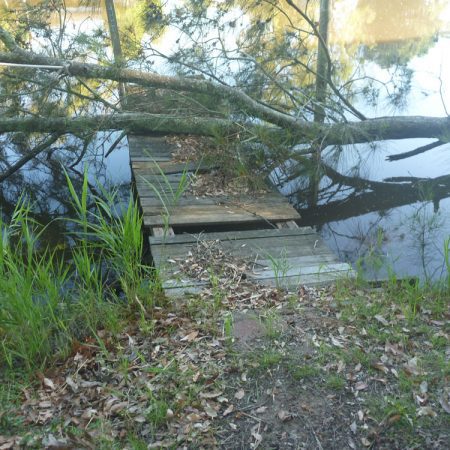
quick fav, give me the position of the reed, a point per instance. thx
(47, 301)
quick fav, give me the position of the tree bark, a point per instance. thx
(115, 42)
(336, 134)
(322, 62)
(133, 122)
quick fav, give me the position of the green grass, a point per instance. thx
(271, 321)
(47, 301)
(335, 382)
(269, 358)
(304, 372)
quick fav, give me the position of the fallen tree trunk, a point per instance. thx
(148, 79)
(335, 134)
(134, 122)
(297, 130)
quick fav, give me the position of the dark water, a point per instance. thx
(399, 223)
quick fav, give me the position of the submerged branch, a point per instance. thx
(43, 146)
(414, 152)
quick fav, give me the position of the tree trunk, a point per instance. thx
(322, 76)
(115, 41)
(335, 134)
(322, 62)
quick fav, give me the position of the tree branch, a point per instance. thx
(29, 156)
(414, 152)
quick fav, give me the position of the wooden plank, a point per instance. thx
(148, 190)
(178, 287)
(167, 167)
(218, 216)
(143, 159)
(264, 249)
(162, 232)
(140, 143)
(270, 211)
(149, 152)
(291, 224)
(159, 177)
(231, 236)
(321, 279)
(263, 256)
(187, 199)
(261, 209)
(305, 260)
(301, 271)
(145, 191)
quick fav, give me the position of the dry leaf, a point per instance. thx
(360, 386)
(48, 383)
(284, 416)
(336, 342)
(240, 394)
(382, 320)
(426, 411)
(229, 410)
(190, 337)
(393, 419)
(423, 387)
(117, 407)
(72, 384)
(444, 401)
(210, 411)
(381, 367)
(209, 395)
(45, 404)
(161, 444)
(50, 442)
(411, 367)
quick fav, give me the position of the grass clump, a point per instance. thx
(47, 301)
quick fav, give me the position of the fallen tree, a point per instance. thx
(328, 134)
(253, 117)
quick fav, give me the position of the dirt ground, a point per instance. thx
(302, 371)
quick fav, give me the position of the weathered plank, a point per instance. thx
(167, 167)
(298, 271)
(263, 248)
(218, 214)
(230, 236)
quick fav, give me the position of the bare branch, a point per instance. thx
(43, 146)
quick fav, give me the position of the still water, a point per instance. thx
(390, 226)
(401, 45)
